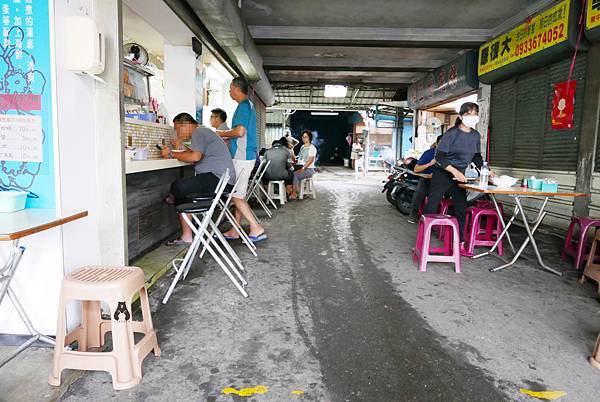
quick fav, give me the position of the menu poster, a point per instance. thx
(21, 138)
(26, 117)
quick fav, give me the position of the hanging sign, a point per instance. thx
(541, 40)
(592, 20)
(593, 14)
(541, 32)
(449, 81)
(563, 105)
(26, 117)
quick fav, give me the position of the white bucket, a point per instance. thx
(12, 201)
(346, 162)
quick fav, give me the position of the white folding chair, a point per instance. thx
(254, 187)
(226, 213)
(201, 215)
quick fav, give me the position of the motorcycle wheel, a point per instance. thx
(404, 202)
(389, 196)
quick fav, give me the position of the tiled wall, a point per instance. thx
(141, 134)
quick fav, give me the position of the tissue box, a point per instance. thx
(535, 184)
(550, 187)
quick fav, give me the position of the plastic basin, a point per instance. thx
(12, 201)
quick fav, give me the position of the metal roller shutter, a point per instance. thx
(501, 123)
(521, 135)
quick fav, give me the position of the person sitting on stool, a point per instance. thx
(210, 157)
(458, 147)
(424, 166)
(280, 166)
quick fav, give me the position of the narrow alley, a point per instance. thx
(339, 311)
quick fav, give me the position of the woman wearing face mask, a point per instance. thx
(459, 146)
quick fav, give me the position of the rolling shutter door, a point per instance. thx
(520, 125)
(501, 123)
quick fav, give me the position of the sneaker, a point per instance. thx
(411, 220)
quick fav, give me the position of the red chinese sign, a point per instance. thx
(563, 105)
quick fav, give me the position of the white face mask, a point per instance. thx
(470, 121)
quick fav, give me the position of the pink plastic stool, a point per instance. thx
(479, 235)
(443, 209)
(578, 248)
(450, 251)
(489, 205)
(445, 205)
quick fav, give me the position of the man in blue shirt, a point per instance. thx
(424, 166)
(242, 146)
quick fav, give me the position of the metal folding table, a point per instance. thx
(531, 226)
(13, 227)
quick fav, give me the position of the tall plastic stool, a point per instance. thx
(591, 269)
(307, 187)
(115, 286)
(450, 252)
(445, 205)
(281, 194)
(480, 233)
(443, 209)
(577, 247)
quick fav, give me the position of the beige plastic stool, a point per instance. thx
(115, 286)
(307, 187)
(281, 194)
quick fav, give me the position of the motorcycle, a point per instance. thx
(401, 187)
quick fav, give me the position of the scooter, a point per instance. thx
(391, 184)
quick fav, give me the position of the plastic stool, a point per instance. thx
(115, 286)
(450, 252)
(578, 248)
(445, 205)
(443, 209)
(281, 194)
(307, 187)
(591, 269)
(477, 235)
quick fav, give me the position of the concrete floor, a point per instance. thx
(338, 310)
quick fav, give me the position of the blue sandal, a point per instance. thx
(258, 238)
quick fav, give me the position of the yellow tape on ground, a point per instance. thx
(259, 389)
(550, 395)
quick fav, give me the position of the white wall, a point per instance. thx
(180, 80)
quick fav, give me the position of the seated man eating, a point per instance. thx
(210, 157)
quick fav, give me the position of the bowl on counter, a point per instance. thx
(504, 181)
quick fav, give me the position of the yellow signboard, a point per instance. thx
(541, 32)
(593, 14)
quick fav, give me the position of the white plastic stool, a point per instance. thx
(307, 187)
(280, 195)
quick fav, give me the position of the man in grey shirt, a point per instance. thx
(210, 157)
(279, 168)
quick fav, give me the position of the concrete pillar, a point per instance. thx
(110, 162)
(589, 131)
(484, 100)
(180, 80)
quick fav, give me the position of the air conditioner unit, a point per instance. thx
(85, 45)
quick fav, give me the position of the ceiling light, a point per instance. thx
(324, 113)
(335, 91)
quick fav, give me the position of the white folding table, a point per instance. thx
(531, 226)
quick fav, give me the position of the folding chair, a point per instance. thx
(205, 210)
(255, 188)
(226, 213)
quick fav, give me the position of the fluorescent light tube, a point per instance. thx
(324, 113)
(335, 91)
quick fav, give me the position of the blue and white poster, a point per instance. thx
(26, 140)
